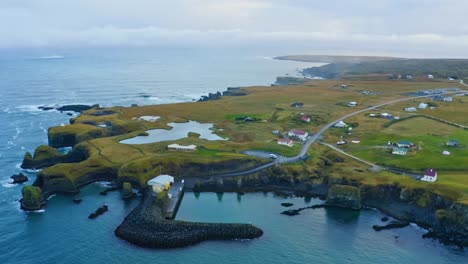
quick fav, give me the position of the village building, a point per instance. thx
(430, 175)
(352, 104)
(340, 124)
(453, 143)
(400, 151)
(177, 147)
(430, 76)
(446, 152)
(285, 142)
(404, 144)
(276, 132)
(297, 104)
(161, 183)
(422, 106)
(410, 109)
(302, 135)
(448, 99)
(409, 77)
(341, 142)
(344, 86)
(305, 119)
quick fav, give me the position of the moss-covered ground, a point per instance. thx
(99, 131)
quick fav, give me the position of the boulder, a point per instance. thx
(346, 196)
(32, 198)
(19, 178)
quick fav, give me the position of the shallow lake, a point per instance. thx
(178, 131)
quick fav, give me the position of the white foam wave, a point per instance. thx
(7, 184)
(153, 98)
(50, 197)
(51, 57)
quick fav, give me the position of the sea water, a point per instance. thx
(62, 233)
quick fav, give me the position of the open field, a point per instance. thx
(271, 108)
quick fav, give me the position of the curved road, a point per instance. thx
(303, 154)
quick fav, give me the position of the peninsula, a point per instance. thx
(328, 138)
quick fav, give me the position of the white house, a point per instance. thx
(285, 142)
(430, 76)
(400, 151)
(352, 104)
(446, 152)
(340, 124)
(430, 176)
(422, 106)
(448, 99)
(302, 135)
(410, 109)
(177, 147)
(161, 182)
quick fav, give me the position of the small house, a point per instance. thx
(352, 104)
(446, 152)
(297, 104)
(422, 106)
(400, 151)
(305, 119)
(410, 109)
(438, 98)
(302, 135)
(344, 86)
(161, 182)
(341, 142)
(430, 76)
(448, 99)
(453, 143)
(409, 77)
(404, 144)
(285, 142)
(340, 124)
(276, 132)
(177, 147)
(430, 175)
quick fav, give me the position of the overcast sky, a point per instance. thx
(426, 28)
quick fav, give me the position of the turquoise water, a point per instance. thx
(63, 234)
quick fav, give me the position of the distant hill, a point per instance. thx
(334, 58)
(348, 66)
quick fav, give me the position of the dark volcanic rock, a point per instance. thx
(384, 219)
(294, 212)
(145, 226)
(46, 108)
(74, 108)
(287, 204)
(344, 196)
(391, 225)
(101, 210)
(19, 178)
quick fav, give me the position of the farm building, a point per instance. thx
(453, 143)
(177, 147)
(404, 144)
(352, 104)
(430, 175)
(422, 106)
(340, 124)
(161, 182)
(285, 142)
(400, 151)
(410, 109)
(302, 135)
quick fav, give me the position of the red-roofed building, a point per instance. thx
(302, 135)
(430, 175)
(286, 142)
(305, 119)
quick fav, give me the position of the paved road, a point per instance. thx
(374, 166)
(303, 154)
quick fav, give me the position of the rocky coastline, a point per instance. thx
(145, 226)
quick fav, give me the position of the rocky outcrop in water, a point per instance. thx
(100, 211)
(45, 156)
(344, 196)
(32, 198)
(391, 225)
(19, 178)
(127, 191)
(145, 226)
(72, 108)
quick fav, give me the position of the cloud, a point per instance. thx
(435, 28)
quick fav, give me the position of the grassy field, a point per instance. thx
(323, 101)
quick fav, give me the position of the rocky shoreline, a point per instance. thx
(145, 226)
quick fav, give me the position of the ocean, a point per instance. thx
(62, 233)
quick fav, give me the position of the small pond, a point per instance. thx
(178, 131)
